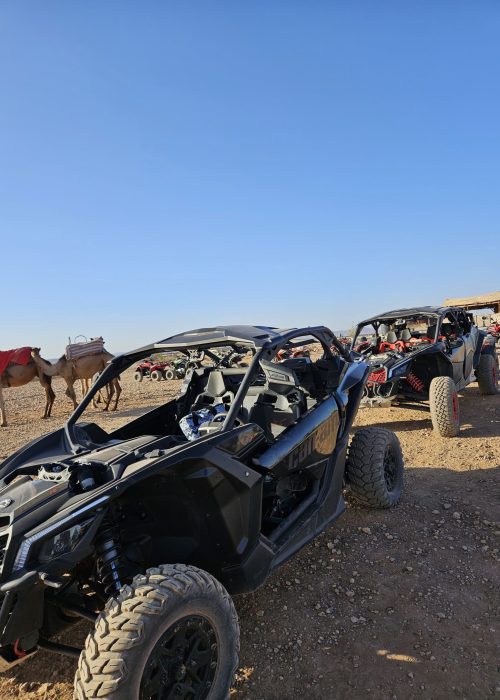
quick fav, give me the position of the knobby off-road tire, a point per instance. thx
(487, 374)
(157, 375)
(169, 374)
(138, 376)
(374, 468)
(128, 654)
(445, 412)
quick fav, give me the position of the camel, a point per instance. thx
(19, 375)
(81, 368)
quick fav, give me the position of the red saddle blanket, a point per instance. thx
(20, 356)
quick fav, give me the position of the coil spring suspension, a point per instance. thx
(109, 559)
(415, 383)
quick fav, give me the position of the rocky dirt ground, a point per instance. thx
(393, 604)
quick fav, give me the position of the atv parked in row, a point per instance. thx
(175, 369)
(146, 530)
(150, 368)
(426, 354)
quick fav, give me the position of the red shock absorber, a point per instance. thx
(415, 383)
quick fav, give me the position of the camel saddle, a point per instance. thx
(92, 347)
(19, 356)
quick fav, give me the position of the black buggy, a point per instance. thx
(146, 529)
(426, 354)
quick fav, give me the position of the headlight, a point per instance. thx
(64, 542)
(30, 540)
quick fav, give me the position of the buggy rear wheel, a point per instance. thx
(138, 376)
(445, 412)
(487, 374)
(157, 375)
(374, 468)
(169, 374)
(172, 633)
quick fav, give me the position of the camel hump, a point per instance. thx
(19, 356)
(75, 351)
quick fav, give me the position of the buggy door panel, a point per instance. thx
(462, 347)
(456, 346)
(306, 444)
(458, 359)
(470, 347)
(470, 341)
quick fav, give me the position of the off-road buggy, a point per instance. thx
(426, 354)
(146, 530)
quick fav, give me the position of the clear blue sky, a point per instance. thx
(166, 165)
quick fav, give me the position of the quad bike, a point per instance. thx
(176, 369)
(147, 530)
(150, 368)
(182, 367)
(426, 354)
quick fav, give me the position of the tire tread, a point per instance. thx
(364, 467)
(104, 663)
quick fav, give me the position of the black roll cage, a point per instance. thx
(377, 322)
(266, 351)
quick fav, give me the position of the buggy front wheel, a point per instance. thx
(172, 632)
(374, 468)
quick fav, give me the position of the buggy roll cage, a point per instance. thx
(263, 341)
(437, 312)
(376, 322)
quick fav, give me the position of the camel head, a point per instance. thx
(35, 352)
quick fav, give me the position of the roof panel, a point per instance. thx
(401, 313)
(249, 336)
(252, 335)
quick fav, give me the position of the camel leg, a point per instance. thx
(109, 395)
(84, 383)
(50, 396)
(49, 401)
(3, 415)
(98, 397)
(118, 392)
(70, 392)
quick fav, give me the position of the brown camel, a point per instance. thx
(19, 375)
(80, 368)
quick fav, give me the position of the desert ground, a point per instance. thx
(395, 604)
